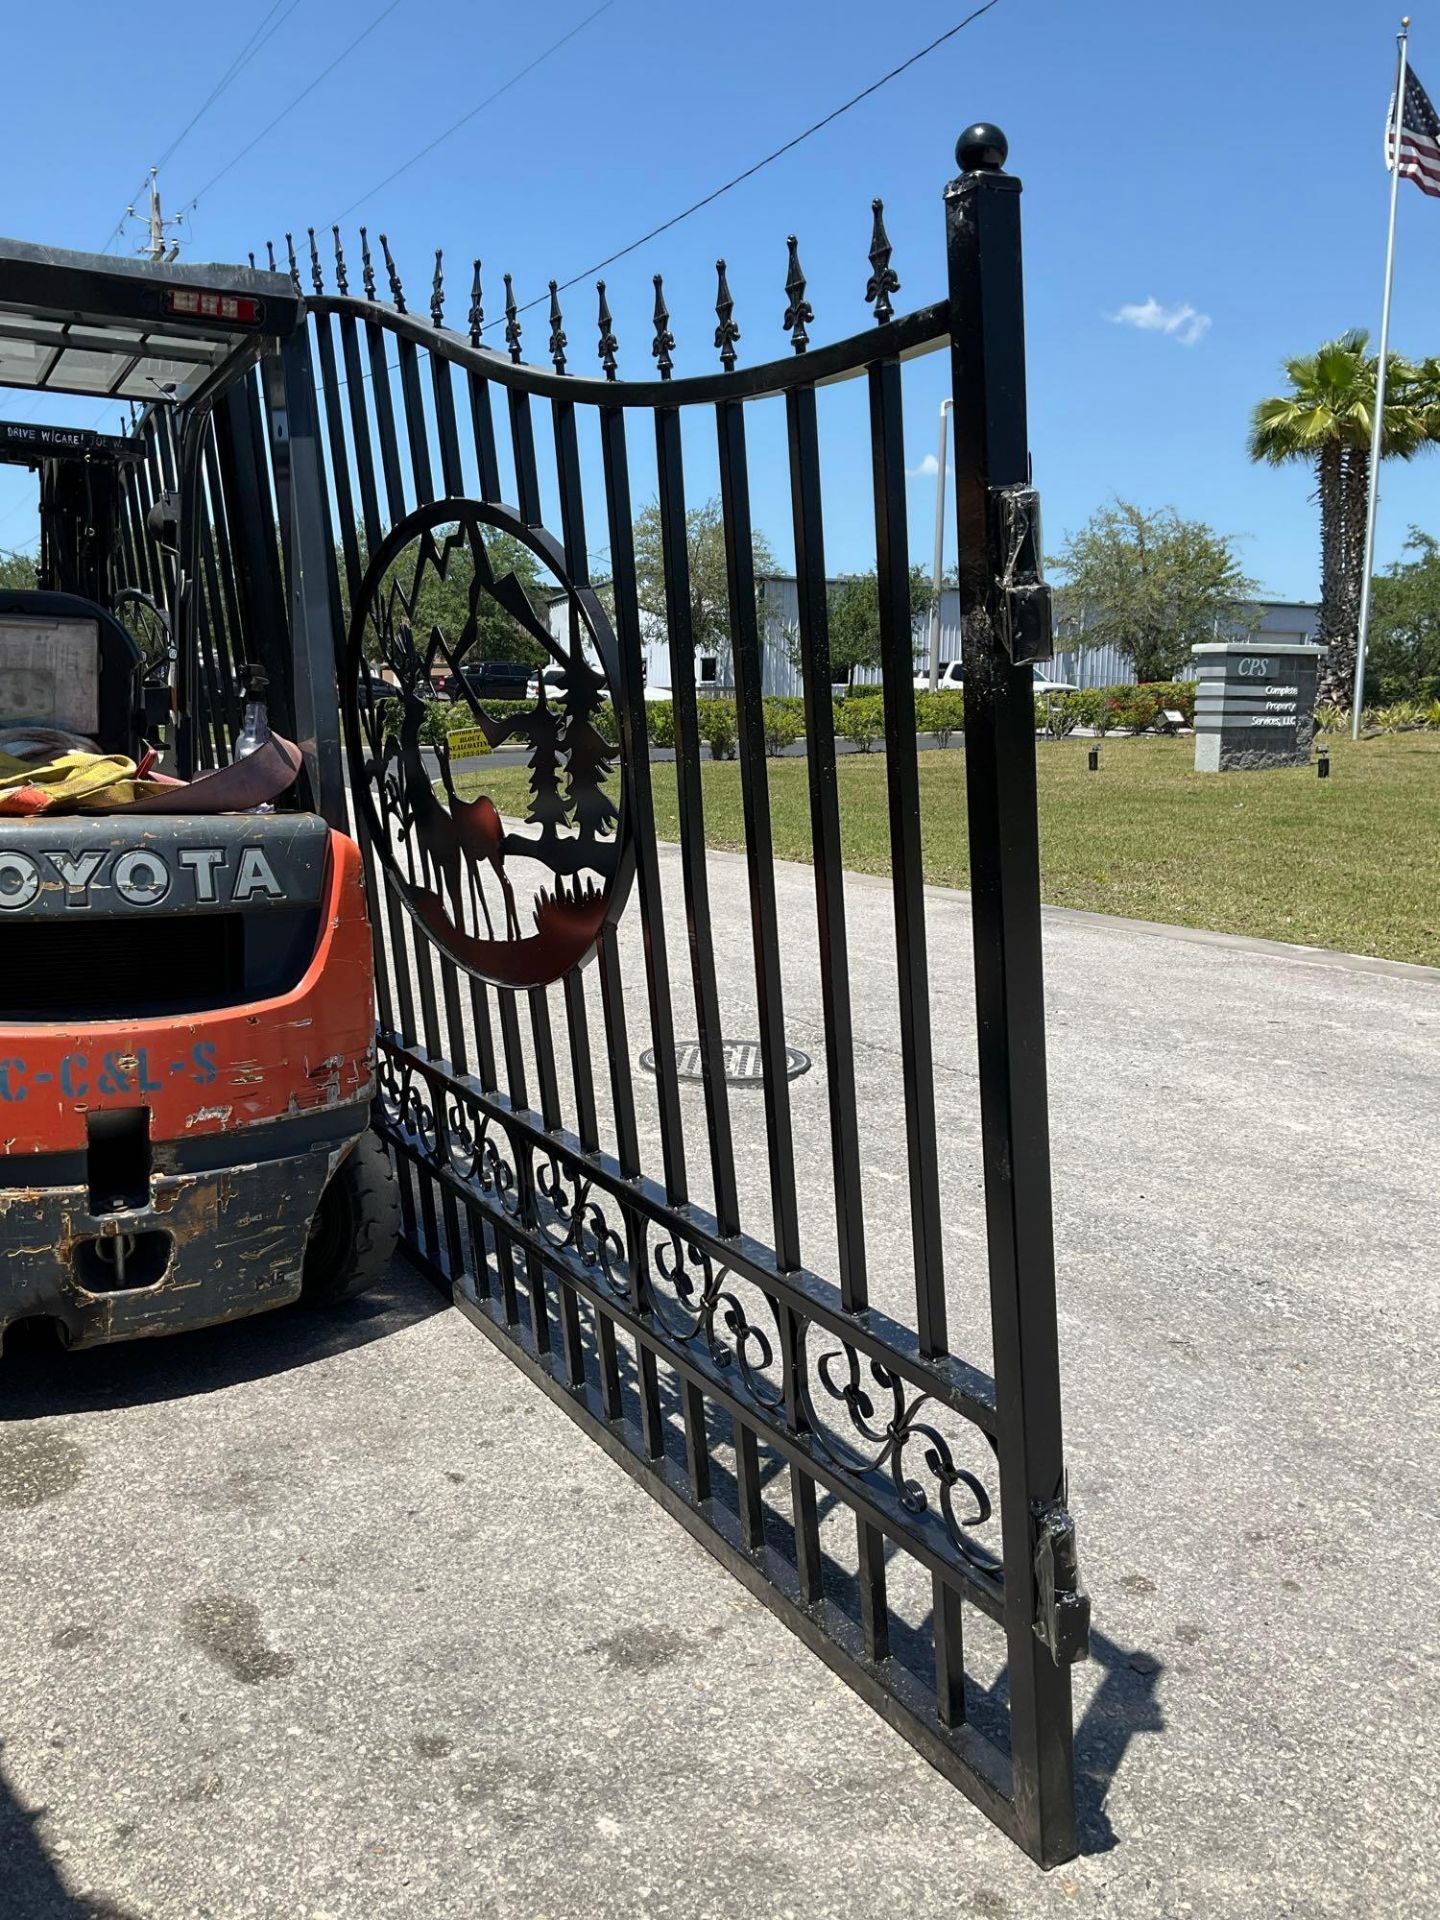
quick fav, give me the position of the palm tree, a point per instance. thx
(1326, 419)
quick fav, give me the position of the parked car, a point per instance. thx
(497, 679)
(554, 679)
(952, 678)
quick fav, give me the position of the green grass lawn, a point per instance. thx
(1352, 862)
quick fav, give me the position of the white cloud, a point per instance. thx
(1182, 321)
(928, 466)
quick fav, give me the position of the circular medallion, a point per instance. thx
(464, 590)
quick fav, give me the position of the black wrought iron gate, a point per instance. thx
(619, 1239)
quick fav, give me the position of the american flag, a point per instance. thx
(1419, 138)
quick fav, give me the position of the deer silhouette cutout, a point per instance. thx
(442, 853)
(481, 833)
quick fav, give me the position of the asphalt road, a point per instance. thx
(338, 1618)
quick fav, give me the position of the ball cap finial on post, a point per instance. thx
(982, 148)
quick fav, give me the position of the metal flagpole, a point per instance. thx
(1363, 632)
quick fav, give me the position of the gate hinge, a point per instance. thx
(1062, 1606)
(1024, 605)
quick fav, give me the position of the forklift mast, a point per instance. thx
(182, 512)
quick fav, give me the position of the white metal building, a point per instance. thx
(1290, 621)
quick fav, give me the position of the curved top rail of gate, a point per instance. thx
(897, 336)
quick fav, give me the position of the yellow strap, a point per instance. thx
(70, 777)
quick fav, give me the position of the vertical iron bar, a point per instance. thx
(225, 565)
(397, 1008)
(453, 480)
(453, 1047)
(697, 1446)
(360, 433)
(375, 891)
(339, 464)
(755, 801)
(527, 486)
(452, 476)
(991, 450)
(411, 961)
(382, 400)
(907, 874)
(949, 1653)
(225, 718)
(825, 831)
(478, 393)
(147, 574)
(419, 442)
(670, 476)
(635, 748)
(874, 1611)
(487, 461)
(750, 1500)
(572, 527)
(392, 954)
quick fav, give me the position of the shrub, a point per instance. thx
(941, 714)
(460, 713)
(1132, 707)
(1091, 708)
(717, 727)
(660, 722)
(1402, 716)
(783, 725)
(1432, 714)
(1176, 694)
(1057, 714)
(861, 720)
(1331, 719)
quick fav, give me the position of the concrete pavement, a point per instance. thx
(340, 1617)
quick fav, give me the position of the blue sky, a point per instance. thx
(1215, 169)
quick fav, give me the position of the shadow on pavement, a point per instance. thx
(1125, 1703)
(32, 1888)
(42, 1380)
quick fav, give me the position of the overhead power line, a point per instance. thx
(303, 94)
(258, 39)
(480, 107)
(750, 172)
(237, 66)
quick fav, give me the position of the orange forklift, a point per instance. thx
(187, 1021)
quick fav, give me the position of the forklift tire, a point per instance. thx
(355, 1227)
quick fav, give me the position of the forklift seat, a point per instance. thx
(66, 662)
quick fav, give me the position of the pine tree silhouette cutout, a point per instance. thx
(547, 804)
(589, 760)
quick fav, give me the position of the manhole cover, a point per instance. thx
(743, 1066)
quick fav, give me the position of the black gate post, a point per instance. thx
(1043, 1608)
